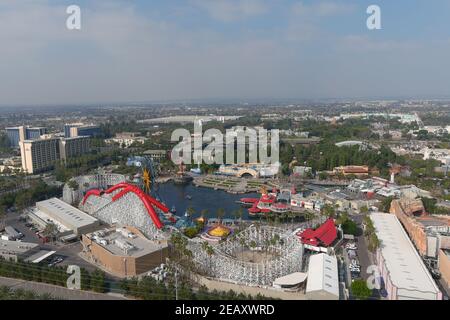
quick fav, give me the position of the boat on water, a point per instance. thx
(188, 197)
(182, 177)
(173, 210)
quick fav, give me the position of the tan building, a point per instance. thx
(124, 251)
(444, 265)
(358, 171)
(406, 210)
(430, 234)
(74, 147)
(156, 154)
(39, 155)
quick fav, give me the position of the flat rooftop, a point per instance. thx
(141, 246)
(406, 268)
(16, 247)
(66, 214)
(46, 218)
(323, 274)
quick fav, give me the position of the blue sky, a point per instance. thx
(147, 50)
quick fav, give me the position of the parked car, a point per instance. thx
(55, 261)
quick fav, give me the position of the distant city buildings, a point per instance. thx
(42, 154)
(402, 117)
(358, 171)
(157, 155)
(126, 139)
(442, 155)
(80, 129)
(255, 170)
(21, 133)
(189, 119)
(74, 147)
(39, 155)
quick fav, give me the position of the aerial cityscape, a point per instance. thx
(283, 189)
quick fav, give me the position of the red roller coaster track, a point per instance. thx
(147, 200)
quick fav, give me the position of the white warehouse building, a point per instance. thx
(404, 274)
(323, 278)
(68, 219)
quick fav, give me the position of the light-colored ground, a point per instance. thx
(273, 293)
(253, 256)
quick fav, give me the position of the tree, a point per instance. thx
(429, 204)
(360, 290)
(73, 185)
(190, 211)
(191, 232)
(386, 204)
(220, 213)
(51, 231)
(323, 176)
(204, 213)
(328, 211)
(2, 213)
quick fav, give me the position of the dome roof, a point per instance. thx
(219, 231)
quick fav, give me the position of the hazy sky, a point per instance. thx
(147, 50)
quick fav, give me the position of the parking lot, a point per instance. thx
(66, 254)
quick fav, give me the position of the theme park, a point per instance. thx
(248, 150)
(259, 242)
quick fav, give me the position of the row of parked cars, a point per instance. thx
(12, 233)
(354, 266)
(38, 233)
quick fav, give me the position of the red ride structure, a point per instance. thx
(125, 188)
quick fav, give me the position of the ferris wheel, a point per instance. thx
(148, 173)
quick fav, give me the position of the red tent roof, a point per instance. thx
(325, 234)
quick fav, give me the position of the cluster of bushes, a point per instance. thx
(37, 191)
(359, 290)
(148, 288)
(55, 275)
(21, 294)
(347, 224)
(369, 233)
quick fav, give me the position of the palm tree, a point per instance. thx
(209, 252)
(240, 214)
(51, 231)
(204, 213)
(292, 216)
(2, 214)
(242, 243)
(253, 246)
(220, 214)
(190, 211)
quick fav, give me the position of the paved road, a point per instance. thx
(56, 291)
(365, 257)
